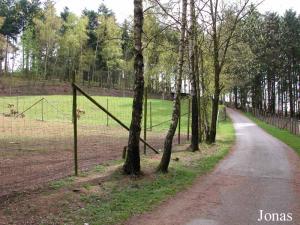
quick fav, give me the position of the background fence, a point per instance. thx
(277, 120)
(36, 135)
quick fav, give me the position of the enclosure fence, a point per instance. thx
(37, 135)
(278, 120)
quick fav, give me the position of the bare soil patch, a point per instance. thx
(35, 152)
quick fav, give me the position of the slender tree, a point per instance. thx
(132, 163)
(220, 43)
(165, 160)
(193, 78)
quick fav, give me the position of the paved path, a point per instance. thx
(261, 173)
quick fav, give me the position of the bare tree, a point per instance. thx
(132, 163)
(164, 163)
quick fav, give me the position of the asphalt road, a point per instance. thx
(261, 173)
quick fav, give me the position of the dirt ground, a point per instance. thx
(33, 153)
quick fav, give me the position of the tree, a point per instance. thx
(290, 36)
(2, 45)
(193, 78)
(127, 54)
(132, 163)
(72, 44)
(111, 45)
(11, 26)
(104, 11)
(221, 35)
(47, 31)
(165, 160)
(30, 46)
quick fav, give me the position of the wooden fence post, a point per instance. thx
(150, 116)
(179, 122)
(42, 109)
(107, 117)
(75, 128)
(189, 115)
(145, 119)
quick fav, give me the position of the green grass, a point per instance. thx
(62, 183)
(285, 136)
(59, 108)
(125, 199)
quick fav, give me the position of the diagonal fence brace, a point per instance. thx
(110, 115)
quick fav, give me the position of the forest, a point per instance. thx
(216, 52)
(180, 112)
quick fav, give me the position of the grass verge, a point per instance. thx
(128, 197)
(285, 136)
(104, 196)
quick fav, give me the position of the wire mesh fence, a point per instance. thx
(36, 139)
(277, 120)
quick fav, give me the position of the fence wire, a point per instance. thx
(36, 135)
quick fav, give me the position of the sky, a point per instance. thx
(124, 8)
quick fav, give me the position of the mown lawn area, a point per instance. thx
(59, 108)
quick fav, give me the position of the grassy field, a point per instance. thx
(285, 136)
(59, 108)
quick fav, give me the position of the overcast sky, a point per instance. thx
(124, 8)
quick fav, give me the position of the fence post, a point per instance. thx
(145, 119)
(179, 121)
(17, 103)
(150, 116)
(188, 122)
(107, 118)
(218, 117)
(42, 109)
(75, 128)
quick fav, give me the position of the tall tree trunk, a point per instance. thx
(165, 160)
(46, 62)
(192, 48)
(235, 90)
(291, 97)
(27, 62)
(215, 101)
(132, 163)
(6, 56)
(1, 65)
(199, 70)
(217, 72)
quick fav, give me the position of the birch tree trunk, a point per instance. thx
(132, 163)
(165, 160)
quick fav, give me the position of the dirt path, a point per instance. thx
(261, 173)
